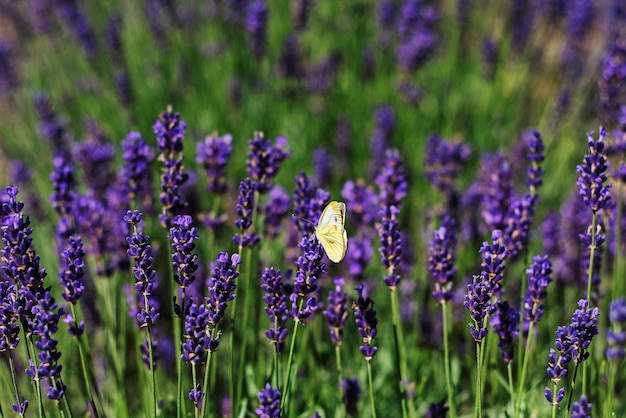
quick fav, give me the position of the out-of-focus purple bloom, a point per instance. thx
(9, 316)
(213, 154)
(592, 178)
(358, 256)
(363, 207)
(276, 307)
(490, 54)
(437, 410)
(505, 323)
(264, 160)
(157, 22)
(51, 126)
(391, 179)
(145, 276)
(290, 61)
(323, 163)
(616, 335)
(8, 76)
(522, 22)
(256, 25)
(517, 223)
(410, 92)
(319, 76)
(269, 402)
(300, 11)
(245, 205)
(113, 38)
(612, 82)
(337, 311)
(390, 244)
(351, 394)
(21, 176)
(310, 269)
(63, 183)
(277, 207)
(416, 37)
(366, 322)
(72, 270)
(534, 172)
(182, 237)
(444, 160)
(124, 88)
(136, 172)
(384, 127)
(539, 277)
(170, 132)
(96, 155)
(441, 259)
(498, 191)
(581, 409)
(71, 14)
(343, 138)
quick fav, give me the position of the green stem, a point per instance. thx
(146, 303)
(478, 406)
(371, 388)
(592, 251)
(446, 359)
(401, 364)
(247, 301)
(292, 346)
(14, 379)
(526, 354)
(207, 368)
(554, 404)
(509, 369)
(339, 375)
(83, 364)
(194, 382)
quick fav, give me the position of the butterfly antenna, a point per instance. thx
(293, 215)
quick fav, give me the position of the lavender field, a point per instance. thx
(164, 165)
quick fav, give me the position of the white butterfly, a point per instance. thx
(330, 231)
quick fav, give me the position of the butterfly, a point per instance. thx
(330, 231)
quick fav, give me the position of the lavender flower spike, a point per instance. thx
(135, 175)
(276, 307)
(592, 177)
(581, 409)
(538, 280)
(441, 259)
(616, 336)
(264, 160)
(366, 321)
(213, 154)
(269, 403)
(390, 244)
(245, 206)
(337, 311)
(185, 262)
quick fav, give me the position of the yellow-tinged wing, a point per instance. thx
(330, 231)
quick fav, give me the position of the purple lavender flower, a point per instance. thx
(337, 311)
(269, 402)
(358, 256)
(63, 184)
(277, 207)
(136, 172)
(182, 236)
(265, 159)
(96, 155)
(198, 339)
(612, 81)
(534, 172)
(213, 154)
(517, 223)
(221, 286)
(390, 244)
(384, 127)
(586, 242)
(416, 38)
(351, 394)
(581, 409)
(310, 268)
(616, 335)
(386, 16)
(505, 323)
(113, 38)
(21, 176)
(444, 160)
(538, 280)
(307, 204)
(391, 179)
(196, 395)
(499, 189)
(478, 302)
(245, 205)
(490, 53)
(300, 13)
(145, 275)
(9, 316)
(572, 343)
(256, 25)
(170, 131)
(51, 126)
(441, 259)
(8, 76)
(322, 161)
(276, 307)
(592, 177)
(71, 14)
(366, 321)
(363, 208)
(522, 23)
(290, 61)
(72, 270)
(494, 257)
(319, 76)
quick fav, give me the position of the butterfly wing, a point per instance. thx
(330, 231)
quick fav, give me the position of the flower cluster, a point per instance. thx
(135, 174)
(444, 160)
(276, 307)
(145, 275)
(362, 209)
(182, 236)
(366, 322)
(170, 132)
(534, 172)
(277, 207)
(337, 311)
(269, 402)
(505, 323)
(351, 394)
(96, 154)
(538, 280)
(592, 177)
(213, 154)
(441, 259)
(616, 335)
(221, 286)
(384, 127)
(265, 159)
(256, 25)
(582, 408)
(307, 204)
(245, 208)
(392, 180)
(416, 36)
(499, 189)
(390, 244)
(493, 262)
(310, 268)
(63, 197)
(72, 270)
(9, 316)
(358, 256)
(51, 126)
(572, 343)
